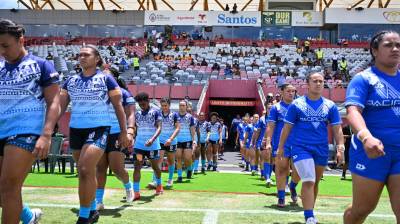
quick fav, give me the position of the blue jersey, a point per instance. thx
(127, 100)
(22, 109)
(249, 130)
(215, 128)
(204, 128)
(224, 129)
(146, 123)
(168, 127)
(262, 126)
(90, 100)
(187, 122)
(235, 123)
(310, 120)
(240, 129)
(379, 96)
(277, 115)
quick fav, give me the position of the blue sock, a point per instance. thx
(84, 212)
(292, 185)
(99, 195)
(210, 163)
(203, 163)
(262, 173)
(154, 177)
(267, 168)
(190, 168)
(136, 186)
(171, 170)
(256, 167)
(128, 185)
(242, 158)
(215, 164)
(158, 181)
(308, 214)
(179, 172)
(196, 165)
(247, 164)
(253, 167)
(281, 194)
(26, 214)
(93, 205)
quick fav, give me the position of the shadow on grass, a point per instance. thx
(288, 208)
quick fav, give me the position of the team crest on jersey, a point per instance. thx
(390, 97)
(314, 116)
(104, 139)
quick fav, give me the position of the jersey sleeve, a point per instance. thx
(357, 92)
(291, 115)
(65, 85)
(127, 99)
(175, 118)
(111, 83)
(334, 116)
(49, 75)
(157, 117)
(273, 115)
(192, 122)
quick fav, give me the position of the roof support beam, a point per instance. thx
(102, 5)
(220, 5)
(154, 3)
(261, 5)
(141, 5)
(205, 5)
(66, 5)
(26, 5)
(116, 4)
(329, 3)
(247, 4)
(193, 4)
(165, 2)
(355, 5)
(386, 4)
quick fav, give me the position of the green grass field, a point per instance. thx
(212, 198)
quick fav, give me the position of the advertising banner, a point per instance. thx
(183, 18)
(364, 16)
(307, 18)
(276, 18)
(232, 103)
(222, 18)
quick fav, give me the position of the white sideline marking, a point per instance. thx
(267, 212)
(211, 217)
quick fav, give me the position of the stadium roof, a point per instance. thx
(206, 5)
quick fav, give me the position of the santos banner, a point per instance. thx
(306, 18)
(222, 18)
(365, 16)
(183, 18)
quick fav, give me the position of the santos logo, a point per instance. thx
(222, 18)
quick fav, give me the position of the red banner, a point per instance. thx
(232, 103)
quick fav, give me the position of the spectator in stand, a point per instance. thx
(281, 80)
(335, 58)
(155, 51)
(307, 45)
(273, 72)
(270, 98)
(285, 61)
(49, 56)
(226, 8)
(186, 49)
(297, 62)
(175, 66)
(254, 64)
(235, 65)
(234, 9)
(319, 54)
(215, 67)
(219, 52)
(203, 62)
(273, 58)
(277, 98)
(168, 73)
(327, 74)
(160, 43)
(192, 62)
(228, 70)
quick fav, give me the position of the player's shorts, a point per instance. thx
(185, 145)
(94, 136)
(213, 142)
(112, 144)
(203, 145)
(149, 154)
(171, 148)
(319, 153)
(23, 141)
(378, 169)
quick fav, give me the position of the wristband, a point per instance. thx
(361, 131)
(340, 148)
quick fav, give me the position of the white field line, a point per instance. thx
(266, 212)
(211, 217)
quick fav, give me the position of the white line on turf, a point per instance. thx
(211, 217)
(270, 212)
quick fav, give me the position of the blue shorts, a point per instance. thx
(378, 169)
(149, 154)
(24, 141)
(319, 153)
(93, 136)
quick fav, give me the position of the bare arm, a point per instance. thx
(373, 146)
(255, 136)
(52, 98)
(64, 101)
(177, 129)
(338, 134)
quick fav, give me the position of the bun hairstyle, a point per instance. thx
(11, 28)
(96, 52)
(376, 40)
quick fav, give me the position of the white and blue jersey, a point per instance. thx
(204, 128)
(22, 109)
(262, 126)
(215, 128)
(378, 95)
(224, 129)
(240, 129)
(127, 100)
(187, 122)
(168, 127)
(146, 123)
(310, 119)
(90, 100)
(277, 115)
(249, 129)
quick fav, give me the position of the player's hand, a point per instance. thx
(149, 142)
(123, 140)
(279, 153)
(339, 157)
(220, 142)
(194, 145)
(168, 142)
(268, 147)
(373, 147)
(42, 147)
